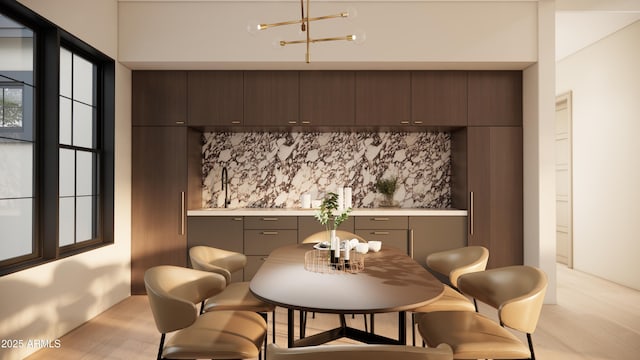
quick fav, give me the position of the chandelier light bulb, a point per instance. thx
(253, 27)
(358, 37)
(351, 13)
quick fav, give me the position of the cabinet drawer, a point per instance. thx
(270, 222)
(309, 225)
(223, 232)
(382, 222)
(262, 242)
(398, 239)
(254, 262)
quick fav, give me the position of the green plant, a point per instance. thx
(326, 214)
(387, 186)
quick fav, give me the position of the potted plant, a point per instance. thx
(331, 221)
(387, 187)
(326, 215)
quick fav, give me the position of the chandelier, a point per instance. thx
(305, 22)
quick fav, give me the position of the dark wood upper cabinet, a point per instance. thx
(159, 98)
(327, 98)
(495, 98)
(271, 98)
(215, 98)
(383, 98)
(439, 98)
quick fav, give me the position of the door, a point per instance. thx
(564, 198)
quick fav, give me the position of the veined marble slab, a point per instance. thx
(273, 169)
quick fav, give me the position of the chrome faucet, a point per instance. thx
(225, 187)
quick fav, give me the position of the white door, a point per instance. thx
(564, 201)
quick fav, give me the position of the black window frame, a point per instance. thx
(48, 40)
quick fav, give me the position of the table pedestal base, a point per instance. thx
(345, 331)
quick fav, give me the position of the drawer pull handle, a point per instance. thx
(304, 122)
(237, 219)
(380, 233)
(404, 122)
(235, 122)
(269, 219)
(418, 122)
(292, 122)
(269, 233)
(380, 219)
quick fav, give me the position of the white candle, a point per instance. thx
(348, 201)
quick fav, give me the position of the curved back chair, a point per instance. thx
(360, 352)
(216, 260)
(517, 292)
(173, 294)
(236, 296)
(452, 264)
(321, 236)
(464, 260)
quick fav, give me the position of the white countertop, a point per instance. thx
(311, 212)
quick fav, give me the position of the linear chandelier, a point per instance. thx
(305, 22)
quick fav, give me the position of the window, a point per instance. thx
(17, 142)
(56, 142)
(79, 151)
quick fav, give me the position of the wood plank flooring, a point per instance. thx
(594, 320)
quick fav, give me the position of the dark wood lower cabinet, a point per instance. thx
(429, 234)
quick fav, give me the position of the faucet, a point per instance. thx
(225, 187)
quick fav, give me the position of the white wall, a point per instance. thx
(47, 301)
(604, 79)
(538, 152)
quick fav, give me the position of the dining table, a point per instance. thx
(390, 281)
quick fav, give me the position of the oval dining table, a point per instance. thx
(390, 282)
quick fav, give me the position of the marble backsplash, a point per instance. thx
(272, 170)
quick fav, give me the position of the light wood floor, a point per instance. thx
(594, 319)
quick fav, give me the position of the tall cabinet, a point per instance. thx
(487, 165)
(162, 159)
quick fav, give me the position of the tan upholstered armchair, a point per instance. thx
(452, 264)
(236, 296)
(174, 293)
(216, 260)
(517, 292)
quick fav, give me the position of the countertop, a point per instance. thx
(311, 212)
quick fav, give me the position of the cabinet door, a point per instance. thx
(327, 98)
(159, 98)
(495, 98)
(494, 178)
(439, 98)
(397, 239)
(383, 98)
(158, 197)
(271, 98)
(429, 234)
(215, 98)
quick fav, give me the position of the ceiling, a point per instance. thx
(580, 23)
(578, 29)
